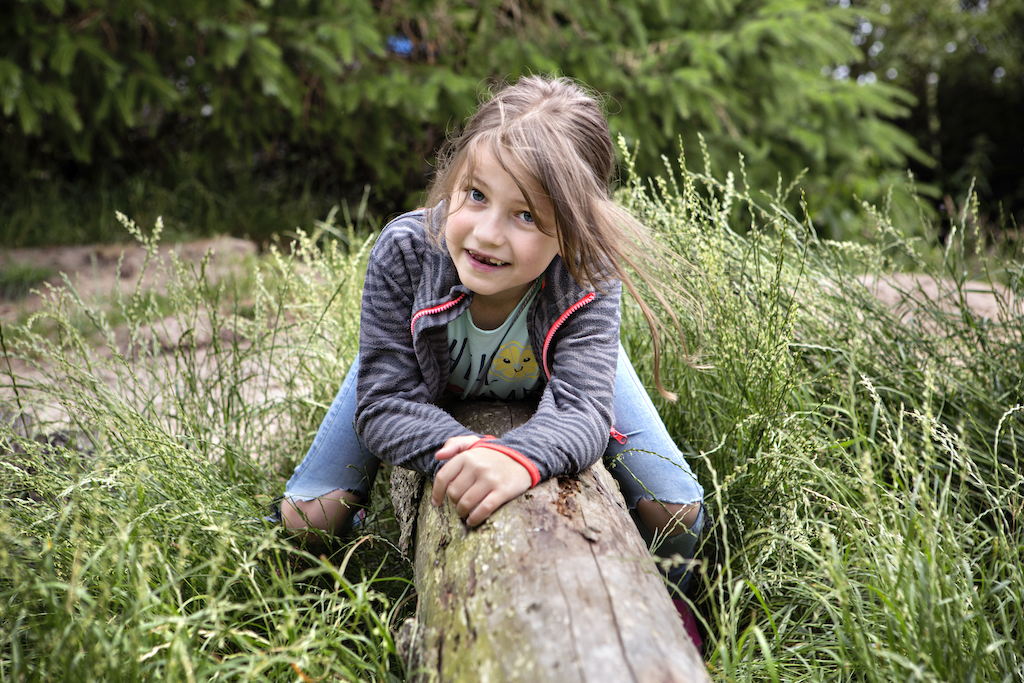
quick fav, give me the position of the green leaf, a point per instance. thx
(62, 58)
(158, 84)
(369, 37)
(10, 85)
(268, 47)
(229, 49)
(102, 110)
(91, 46)
(56, 7)
(80, 145)
(124, 98)
(27, 115)
(65, 106)
(324, 57)
(343, 44)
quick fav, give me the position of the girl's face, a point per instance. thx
(494, 239)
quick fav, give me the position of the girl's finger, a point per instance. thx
(448, 472)
(485, 508)
(446, 452)
(459, 487)
(454, 446)
(470, 500)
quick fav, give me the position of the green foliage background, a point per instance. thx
(299, 102)
(964, 62)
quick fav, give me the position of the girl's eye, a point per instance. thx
(476, 195)
(526, 216)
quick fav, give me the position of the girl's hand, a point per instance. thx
(477, 480)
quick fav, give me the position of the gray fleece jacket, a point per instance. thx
(412, 292)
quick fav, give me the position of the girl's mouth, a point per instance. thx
(486, 260)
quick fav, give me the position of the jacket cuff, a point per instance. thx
(486, 442)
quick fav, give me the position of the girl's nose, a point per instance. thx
(489, 229)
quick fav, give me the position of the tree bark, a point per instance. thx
(556, 586)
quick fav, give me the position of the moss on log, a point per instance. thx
(556, 586)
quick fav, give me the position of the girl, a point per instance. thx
(507, 285)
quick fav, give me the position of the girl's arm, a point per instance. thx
(570, 429)
(395, 415)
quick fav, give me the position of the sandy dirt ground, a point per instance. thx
(99, 271)
(906, 292)
(94, 269)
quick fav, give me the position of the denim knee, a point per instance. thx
(337, 458)
(646, 461)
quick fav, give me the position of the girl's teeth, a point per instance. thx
(487, 259)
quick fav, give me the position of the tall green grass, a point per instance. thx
(138, 462)
(861, 466)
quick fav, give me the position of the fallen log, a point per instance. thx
(556, 586)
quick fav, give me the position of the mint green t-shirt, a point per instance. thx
(495, 363)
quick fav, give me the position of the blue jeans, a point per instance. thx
(649, 465)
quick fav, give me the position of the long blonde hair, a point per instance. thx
(554, 131)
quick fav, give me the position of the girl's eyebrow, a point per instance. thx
(476, 180)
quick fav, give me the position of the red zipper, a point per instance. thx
(430, 311)
(558, 323)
